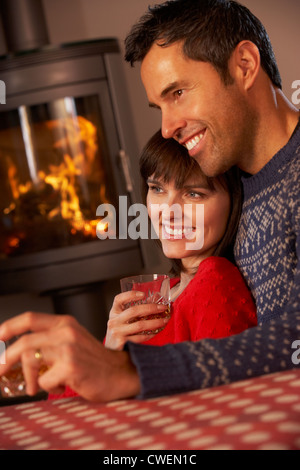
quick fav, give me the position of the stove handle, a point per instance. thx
(126, 170)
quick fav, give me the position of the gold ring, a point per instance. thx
(38, 355)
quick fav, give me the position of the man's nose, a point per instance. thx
(171, 125)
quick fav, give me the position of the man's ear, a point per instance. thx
(245, 63)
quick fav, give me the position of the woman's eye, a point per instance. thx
(195, 195)
(155, 189)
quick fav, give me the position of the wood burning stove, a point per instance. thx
(55, 172)
(65, 137)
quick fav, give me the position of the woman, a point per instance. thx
(209, 296)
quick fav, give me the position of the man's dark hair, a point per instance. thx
(210, 31)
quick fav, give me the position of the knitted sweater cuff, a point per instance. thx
(159, 370)
(183, 367)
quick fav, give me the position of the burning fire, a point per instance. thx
(58, 198)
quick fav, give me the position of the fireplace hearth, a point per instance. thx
(65, 141)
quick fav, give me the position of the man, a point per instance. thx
(208, 66)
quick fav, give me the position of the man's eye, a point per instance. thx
(178, 93)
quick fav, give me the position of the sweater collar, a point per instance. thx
(272, 171)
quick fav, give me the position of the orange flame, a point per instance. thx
(75, 139)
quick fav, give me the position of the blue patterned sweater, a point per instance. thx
(268, 254)
(267, 249)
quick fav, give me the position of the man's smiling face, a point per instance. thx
(198, 109)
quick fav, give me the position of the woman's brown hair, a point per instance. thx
(167, 159)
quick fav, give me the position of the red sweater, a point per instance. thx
(216, 303)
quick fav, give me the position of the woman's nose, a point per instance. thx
(173, 208)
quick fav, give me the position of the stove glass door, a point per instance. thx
(55, 171)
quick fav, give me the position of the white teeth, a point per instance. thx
(193, 142)
(177, 231)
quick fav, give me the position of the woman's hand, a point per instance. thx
(132, 323)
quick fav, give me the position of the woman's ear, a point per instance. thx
(245, 63)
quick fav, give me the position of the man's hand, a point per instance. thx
(73, 356)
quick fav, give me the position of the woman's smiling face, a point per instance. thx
(191, 229)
